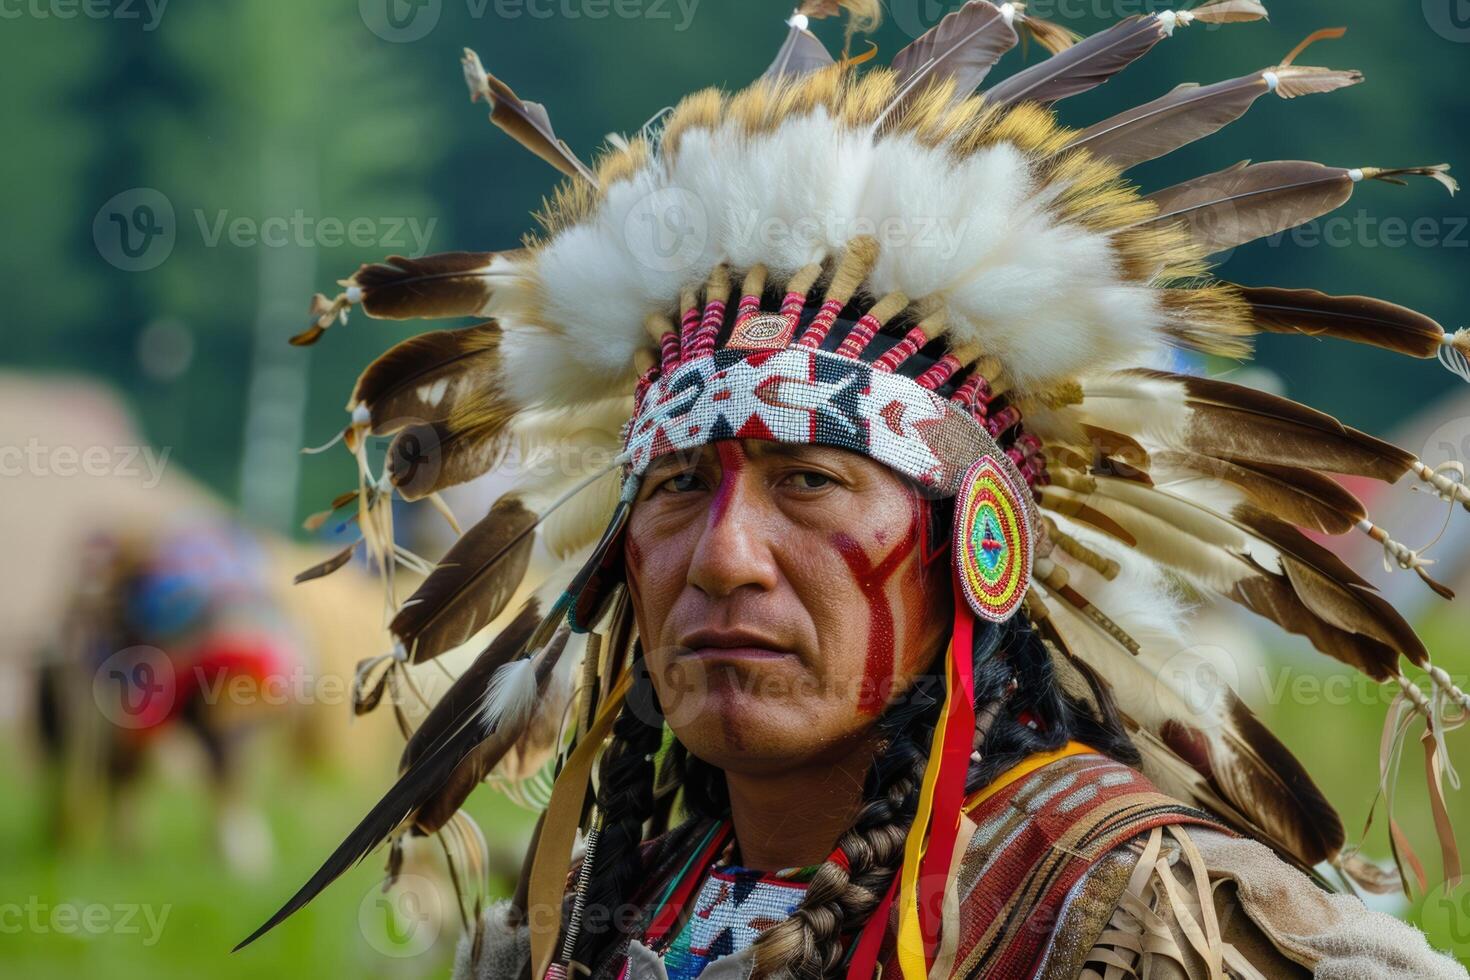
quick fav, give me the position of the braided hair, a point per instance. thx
(1013, 673)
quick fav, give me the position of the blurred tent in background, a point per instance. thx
(48, 517)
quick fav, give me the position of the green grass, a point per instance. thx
(203, 910)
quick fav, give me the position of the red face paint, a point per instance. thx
(873, 579)
(732, 462)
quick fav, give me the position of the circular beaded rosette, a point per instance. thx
(992, 541)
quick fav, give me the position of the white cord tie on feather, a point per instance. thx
(1452, 353)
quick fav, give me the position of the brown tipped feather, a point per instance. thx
(962, 47)
(1240, 423)
(1276, 599)
(1301, 496)
(1250, 767)
(425, 458)
(467, 694)
(526, 122)
(440, 807)
(1202, 745)
(1247, 202)
(425, 377)
(442, 285)
(1360, 319)
(438, 755)
(1192, 112)
(1270, 568)
(1082, 67)
(471, 585)
(325, 568)
(1332, 590)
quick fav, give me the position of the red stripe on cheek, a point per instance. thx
(872, 580)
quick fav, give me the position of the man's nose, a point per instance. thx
(735, 548)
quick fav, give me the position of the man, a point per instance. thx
(881, 658)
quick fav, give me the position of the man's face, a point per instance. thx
(783, 598)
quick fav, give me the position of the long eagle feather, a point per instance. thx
(1192, 112)
(961, 48)
(1248, 201)
(471, 585)
(446, 284)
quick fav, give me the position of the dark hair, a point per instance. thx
(1013, 673)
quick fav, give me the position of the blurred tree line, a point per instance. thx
(179, 177)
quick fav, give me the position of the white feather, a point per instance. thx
(1043, 295)
(510, 696)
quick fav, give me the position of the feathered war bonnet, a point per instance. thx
(955, 285)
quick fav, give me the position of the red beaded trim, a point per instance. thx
(940, 373)
(859, 337)
(901, 351)
(669, 351)
(709, 329)
(687, 329)
(749, 307)
(792, 306)
(821, 325)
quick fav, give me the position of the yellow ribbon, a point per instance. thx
(911, 958)
(549, 867)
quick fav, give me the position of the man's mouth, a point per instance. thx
(731, 646)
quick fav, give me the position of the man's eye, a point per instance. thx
(810, 480)
(682, 483)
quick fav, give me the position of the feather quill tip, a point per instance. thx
(474, 77)
(326, 312)
(1439, 173)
